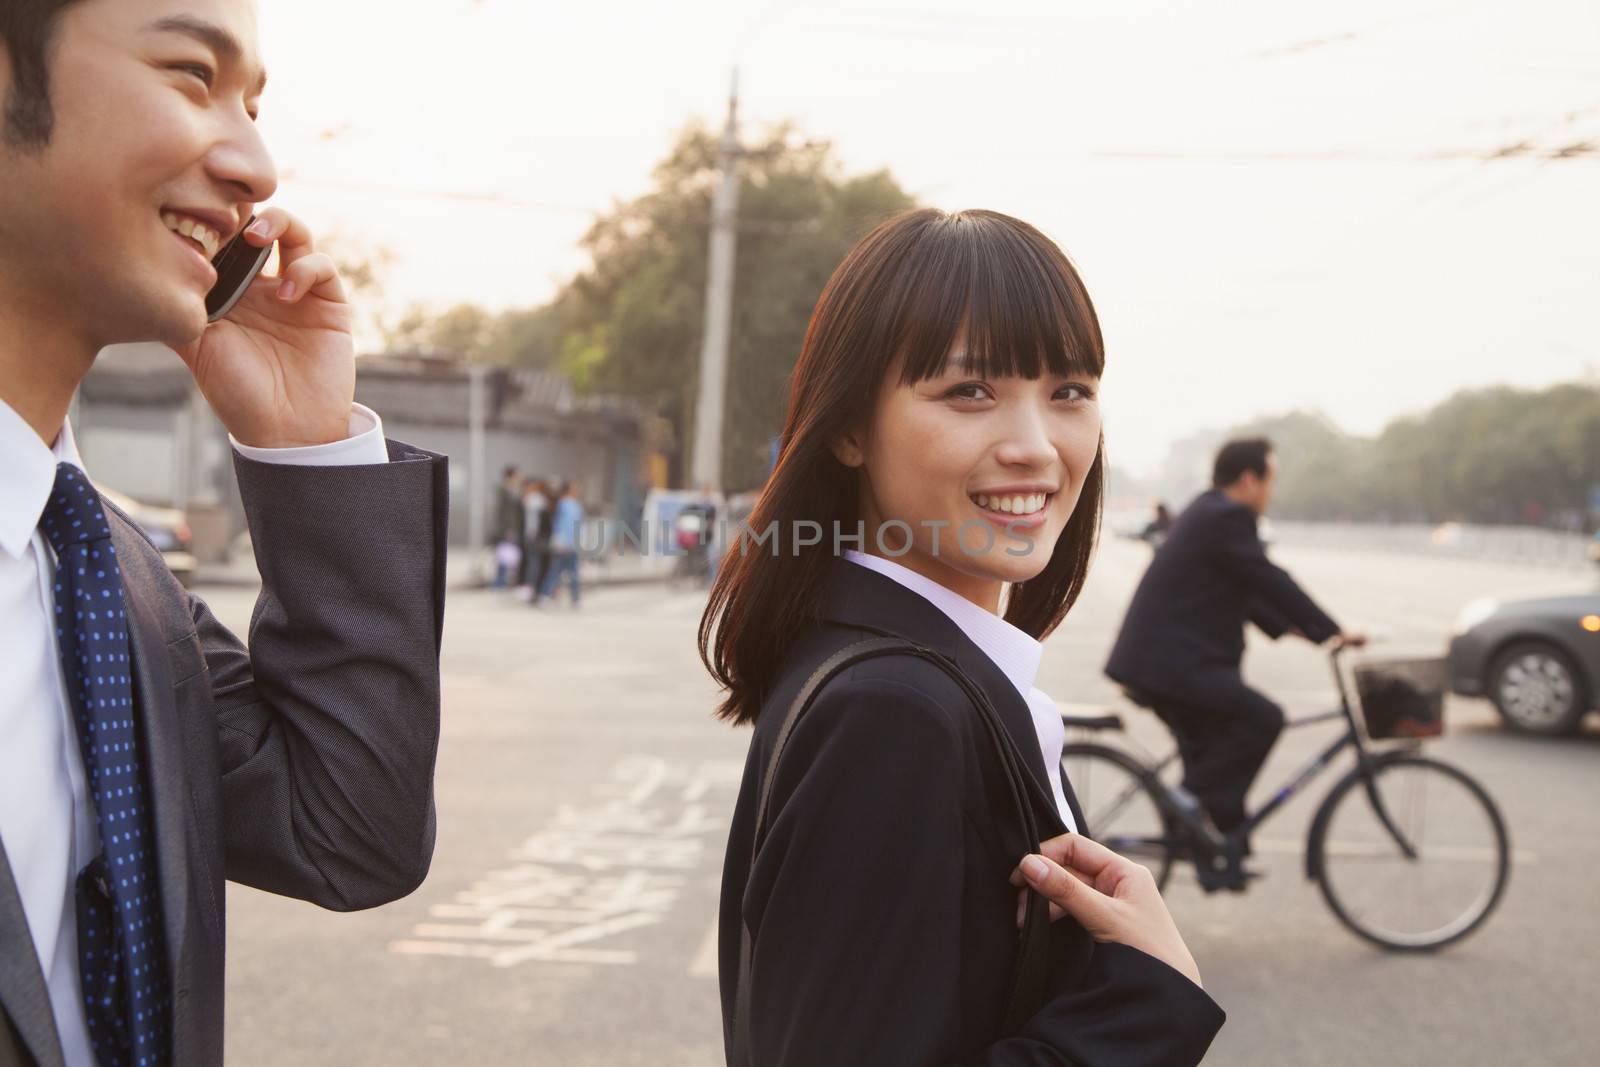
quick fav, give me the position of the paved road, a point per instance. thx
(583, 793)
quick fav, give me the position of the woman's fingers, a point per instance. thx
(1052, 848)
(1062, 850)
(1126, 907)
(1071, 894)
(1079, 853)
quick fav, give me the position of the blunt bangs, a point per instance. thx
(999, 288)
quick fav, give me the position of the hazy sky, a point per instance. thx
(1274, 205)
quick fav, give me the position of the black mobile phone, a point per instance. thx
(237, 266)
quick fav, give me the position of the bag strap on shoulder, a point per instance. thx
(1030, 971)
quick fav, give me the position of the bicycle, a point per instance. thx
(1369, 859)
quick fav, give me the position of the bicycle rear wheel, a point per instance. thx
(1120, 805)
(1424, 901)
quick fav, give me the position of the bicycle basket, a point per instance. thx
(1402, 697)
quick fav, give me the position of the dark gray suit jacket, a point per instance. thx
(303, 765)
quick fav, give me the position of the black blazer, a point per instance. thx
(1207, 579)
(884, 926)
(302, 765)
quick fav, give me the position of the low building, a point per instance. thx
(144, 429)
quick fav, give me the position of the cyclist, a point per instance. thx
(1181, 644)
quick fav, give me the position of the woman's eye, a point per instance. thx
(1075, 392)
(969, 391)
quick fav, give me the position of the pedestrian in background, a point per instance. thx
(535, 504)
(1155, 531)
(507, 528)
(564, 528)
(539, 538)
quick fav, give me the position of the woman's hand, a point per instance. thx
(1114, 898)
(280, 370)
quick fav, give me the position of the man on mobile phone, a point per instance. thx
(145, 753)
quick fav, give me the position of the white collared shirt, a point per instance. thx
(1014, 652)
(47, 820)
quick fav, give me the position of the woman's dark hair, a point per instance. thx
(1237, 457)
(910, 289)
(28, 29)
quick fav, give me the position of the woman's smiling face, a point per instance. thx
(985, 472)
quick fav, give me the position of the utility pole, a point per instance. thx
(708, 412)
(478, 484)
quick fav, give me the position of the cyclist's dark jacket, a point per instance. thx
(1208, 579)
(884, 927)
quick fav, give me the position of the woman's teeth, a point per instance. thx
(1021, 504)
(208, 239)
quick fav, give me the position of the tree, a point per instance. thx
(529, 337)
(463, 331)
(1495, 455)
(639, 308)
(1325, 471)
(631, 324)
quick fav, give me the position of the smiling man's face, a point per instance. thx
(153, 161)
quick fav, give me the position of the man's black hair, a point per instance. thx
(1237, 457)
(28, 30)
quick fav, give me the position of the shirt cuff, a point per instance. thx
(364, 445)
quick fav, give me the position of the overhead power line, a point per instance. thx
(455, 195)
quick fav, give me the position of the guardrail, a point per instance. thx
(1506, 544)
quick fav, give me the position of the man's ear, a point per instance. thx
(847, 449)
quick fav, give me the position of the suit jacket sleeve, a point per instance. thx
(1268, 619)
(864, 859)
(1245, 558)
(328, 724)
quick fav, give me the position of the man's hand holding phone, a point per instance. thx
(279, 370)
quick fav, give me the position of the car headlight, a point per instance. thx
(1473, 614)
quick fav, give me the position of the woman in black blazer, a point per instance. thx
(941, 469)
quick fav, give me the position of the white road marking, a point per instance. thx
(592, 874)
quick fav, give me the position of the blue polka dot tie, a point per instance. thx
(122, 958)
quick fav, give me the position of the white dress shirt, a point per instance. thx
(47, 819)
(1014, 652)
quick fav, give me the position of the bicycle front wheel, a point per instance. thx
(1412, 859)
(1120, 805)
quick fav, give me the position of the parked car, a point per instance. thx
(167, 529)
(1537, 660)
